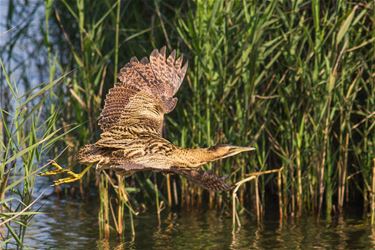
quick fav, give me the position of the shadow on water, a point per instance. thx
(72, 224)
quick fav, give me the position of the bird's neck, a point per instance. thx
(196, 157)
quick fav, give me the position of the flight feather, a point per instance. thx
(149, 83)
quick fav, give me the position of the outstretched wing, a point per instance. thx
(144, 93)
(205, 179)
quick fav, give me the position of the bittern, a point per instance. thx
(132, 122)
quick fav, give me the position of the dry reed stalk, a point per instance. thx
(373, 194)
(157, 203)
(257, 200)
(132, 224)
(265, 172)
(169, 192)
(175, 194)
(235, 218)
(250, 177)
(121, 200)
(292, 191)
(104, 231)
(280, 195)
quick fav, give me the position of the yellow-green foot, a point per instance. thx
(72, 178)
(56, 171)
(59, 170)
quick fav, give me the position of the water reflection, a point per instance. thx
(72, 224)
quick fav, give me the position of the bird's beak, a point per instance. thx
(234, 150)
(239, 149)
(225, 151)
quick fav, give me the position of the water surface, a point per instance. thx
(72, 224)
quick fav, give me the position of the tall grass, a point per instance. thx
(28, 116)
(28, 138)
(27, 135)
(294, 78)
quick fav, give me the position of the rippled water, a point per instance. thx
(70, 224)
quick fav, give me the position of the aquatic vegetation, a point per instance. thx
(294, 78)
(298, 81)
(27, 135)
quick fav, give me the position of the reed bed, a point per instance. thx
(27, 135)
(27, 125)
(293, 78)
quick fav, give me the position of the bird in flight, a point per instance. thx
(132, 121)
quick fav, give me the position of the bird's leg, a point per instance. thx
(59, 170)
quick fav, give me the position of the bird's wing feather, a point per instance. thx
(144, 92)
(205, 179)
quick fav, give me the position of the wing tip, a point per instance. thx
(154, 53)
(144, 60)
(134, 59)
(183, 70)
(163, 51)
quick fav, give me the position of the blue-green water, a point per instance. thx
(72, 224)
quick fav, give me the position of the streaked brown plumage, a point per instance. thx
(132, 121)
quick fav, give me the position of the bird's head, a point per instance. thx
(225, 150)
